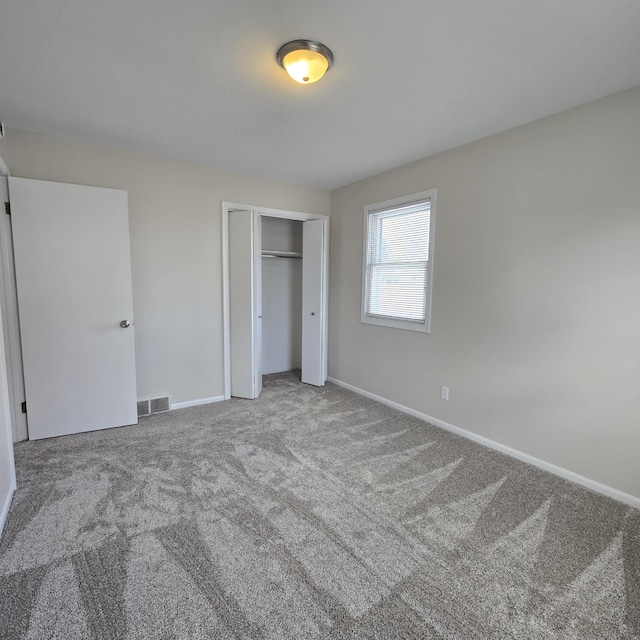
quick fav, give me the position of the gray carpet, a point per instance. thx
(309, 513)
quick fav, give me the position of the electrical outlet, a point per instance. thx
(444, 394)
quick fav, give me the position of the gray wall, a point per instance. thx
(174, 215)
(535, 324)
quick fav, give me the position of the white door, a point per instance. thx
(73, 276)
(313, 303)
(11, 324)
(245, 301)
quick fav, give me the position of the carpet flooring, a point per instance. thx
(308, 513)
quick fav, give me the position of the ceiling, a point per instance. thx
(197, 80)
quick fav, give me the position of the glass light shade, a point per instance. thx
(306, 61)
(305, 66)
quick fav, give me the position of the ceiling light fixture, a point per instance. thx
(305, 61)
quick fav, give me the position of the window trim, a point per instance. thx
(396, 323)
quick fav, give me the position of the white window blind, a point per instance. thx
(397, 263)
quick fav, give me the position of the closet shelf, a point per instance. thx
(282, 254)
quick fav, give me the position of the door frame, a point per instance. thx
(226, 208)
(13, 344)
(6, 430)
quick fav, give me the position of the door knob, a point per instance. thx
(124, 324)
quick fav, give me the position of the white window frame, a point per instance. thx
(387, 321)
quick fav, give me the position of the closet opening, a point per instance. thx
(275, 293)
(281, 295)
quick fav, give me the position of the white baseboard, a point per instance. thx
(195, 403)
(5, 507)
(598, 487)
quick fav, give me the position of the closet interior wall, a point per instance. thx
(281, 294)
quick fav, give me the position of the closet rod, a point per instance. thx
(282, 254)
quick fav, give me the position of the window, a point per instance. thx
(398, 262)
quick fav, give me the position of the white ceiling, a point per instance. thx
(197, 80)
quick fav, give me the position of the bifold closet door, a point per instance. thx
(245, 301)
(314, 308)
(73, 276)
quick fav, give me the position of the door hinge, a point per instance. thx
(24, 407)
(7, 208)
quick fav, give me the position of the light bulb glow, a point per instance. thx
(305, 67)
